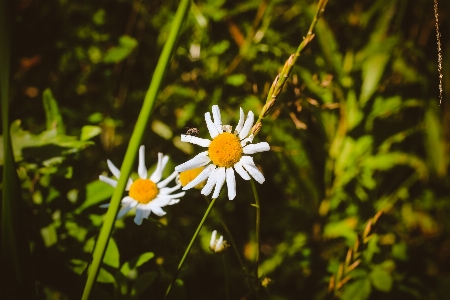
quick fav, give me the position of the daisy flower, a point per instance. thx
(146, 194)
(187, 176)
(227, 152)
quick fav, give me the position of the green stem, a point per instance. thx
(227, 285)
(134, 144)
(257, 226)
(188, 249)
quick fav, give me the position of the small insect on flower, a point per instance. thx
(192, 131)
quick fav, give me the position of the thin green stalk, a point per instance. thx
(134, 144)
(227, 284)
(257, 226)
(188, 249)
(278, 83)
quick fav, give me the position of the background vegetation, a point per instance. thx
(356, 201)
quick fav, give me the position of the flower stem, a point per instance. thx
(257, 226)
(188, 249)
(136, 138)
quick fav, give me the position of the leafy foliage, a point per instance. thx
(358, 161)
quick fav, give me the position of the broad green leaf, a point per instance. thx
(381, 279)
(96, 192)
(373, 70)
(372, 248)
(357, 290)
(434, 142)
(354, 114)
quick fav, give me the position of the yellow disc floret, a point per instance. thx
(143, 190)
(189, 175)
(225, 150)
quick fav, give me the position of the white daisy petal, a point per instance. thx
(219, 244)
(142, 170)
(220, 181)
(231, 183)
(138, 217)
(217, 117)
(247, 125)
(157, 210)
(166, 191)
(213, 131)
(247, 140)
(116, 172)
(249, 165)
(173, 201)
(146, 210)
(195, 140)
(166, 181)
(113, 169)
(254, 148)
(127, 200)
(240, 170)
(181, 194)
(123, 211)
(104, 205)
(108, 180)
(241, 121)
(212, 179)
(157, 174)
(200, 160)
(212, 242)
(200, 177)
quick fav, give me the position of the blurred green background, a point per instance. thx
(357, 130)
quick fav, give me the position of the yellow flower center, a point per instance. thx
(189, 175)
(225, 150)
(143, 190)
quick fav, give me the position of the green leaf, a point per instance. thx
(89, 131)
(434, 142)
(343, 229)
(143, 282)
(162, 129)
(373, 69)
(96, 192)
(236, 79)
(372, 248)
(52, 115)
(358, 290)
(119, 53)
(381, 279)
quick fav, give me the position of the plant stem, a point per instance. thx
(188, 249)
(134, 144)
(257, 226)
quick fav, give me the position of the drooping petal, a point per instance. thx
(166, 181)
(240, 170)
(104, 205)
(181, 194)
(249, 165)
(213, 131)
(108, 180)
(217, 118)
(231, 183)
(247, 125)
(146, 210)
(220, 181)
(138, 217)
(124, 210)
(142, 170)
(157, 174)
(241, 121)
(200, 177)
(212, 179)
(254, 148)
(200, 160)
